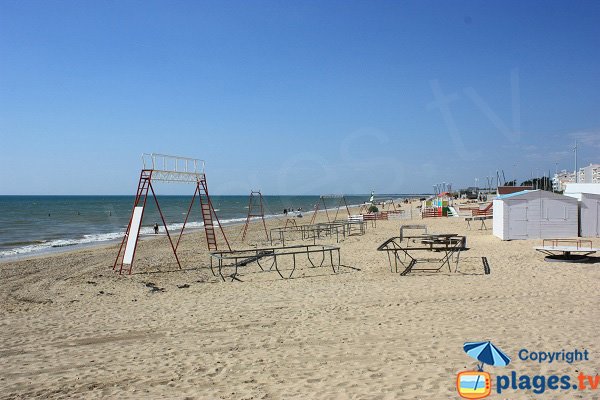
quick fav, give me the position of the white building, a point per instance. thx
(561, 179)
(535, 214)
(589, 174)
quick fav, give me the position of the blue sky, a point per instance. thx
(301, 97)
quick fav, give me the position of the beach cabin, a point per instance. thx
(535, 214)
(589, 215)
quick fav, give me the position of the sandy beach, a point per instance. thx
(137, 118)
(72, 328)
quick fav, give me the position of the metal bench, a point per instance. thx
(481, 218)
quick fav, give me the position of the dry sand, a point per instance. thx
(71, 328)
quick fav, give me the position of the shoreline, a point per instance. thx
(50, 243)
(143, 237)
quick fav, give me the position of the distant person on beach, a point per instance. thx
(285, 211)
(156, 229)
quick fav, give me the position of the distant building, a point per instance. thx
(590, 174)
(561, 179)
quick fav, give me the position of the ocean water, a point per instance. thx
(34, 224)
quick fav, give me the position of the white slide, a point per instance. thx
(452, 212)
(134, 229)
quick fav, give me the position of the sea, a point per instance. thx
(31, 225)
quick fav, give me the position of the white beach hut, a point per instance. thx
(589, 215)
(535, 214)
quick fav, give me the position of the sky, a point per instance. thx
(296, 97)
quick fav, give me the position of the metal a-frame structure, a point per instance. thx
(255, 210)
(341, 202)
(384, 203)
(160, 167)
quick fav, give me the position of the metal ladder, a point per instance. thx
(207, 216)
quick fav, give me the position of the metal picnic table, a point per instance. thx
(319, 231)
(269, 259)
(448, 244)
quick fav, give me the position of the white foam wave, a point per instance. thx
(58, 243)
(105, 237)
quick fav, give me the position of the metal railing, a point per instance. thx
(168, 168)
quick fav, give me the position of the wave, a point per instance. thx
(23, 248)
(43, 246)
(58, 243)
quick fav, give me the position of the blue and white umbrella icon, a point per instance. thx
(487, 353)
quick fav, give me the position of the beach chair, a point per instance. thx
(355, 218)
(356, 221)
(488, 210)
(370, 217)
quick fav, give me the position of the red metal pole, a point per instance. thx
(316, 210)
(187, 215)
(165, 225)
(325, 206)
(262, 214)
(347, 209)
(337, 210)
(248, 217)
